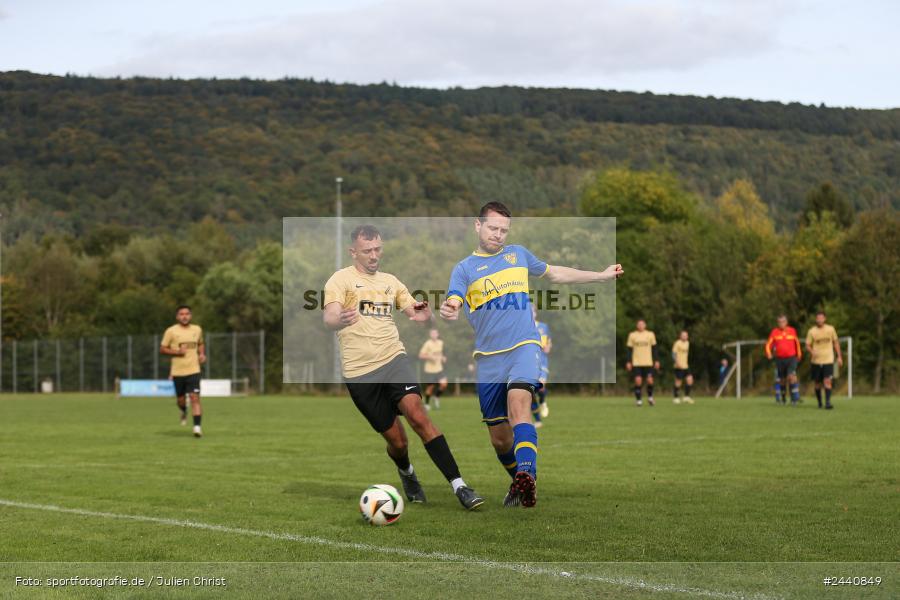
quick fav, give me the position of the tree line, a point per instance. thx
(718, 268)
(156, 155)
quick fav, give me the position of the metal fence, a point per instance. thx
(92, 364)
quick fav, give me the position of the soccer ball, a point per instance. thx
(381, 504)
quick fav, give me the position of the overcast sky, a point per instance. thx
(841, 53)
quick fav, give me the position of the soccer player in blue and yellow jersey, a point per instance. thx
(539, 404)
(492, 285)
(784, 343)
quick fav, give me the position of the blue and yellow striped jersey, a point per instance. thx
(493, 289)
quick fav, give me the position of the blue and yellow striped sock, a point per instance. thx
(508, 460)
(525, 445)
(777, 391)
(795, 392)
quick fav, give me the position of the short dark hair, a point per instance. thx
(181, 306)
(366, 232)
(497, 207)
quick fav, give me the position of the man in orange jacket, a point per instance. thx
(784, 344)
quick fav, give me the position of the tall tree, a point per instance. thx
(742, 206)
(869, 267)
(826, 198)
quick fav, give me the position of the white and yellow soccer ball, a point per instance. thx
(381, 504)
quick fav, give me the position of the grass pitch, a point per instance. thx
(722, 499)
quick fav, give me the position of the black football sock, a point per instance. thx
(819, 396)
(197, 420)
(649, 390)
(182, 408)
(828, 396)
(637, 392)
(438, 392)
(674, 391)
(402, 462)
(443, 459)
(687, 389)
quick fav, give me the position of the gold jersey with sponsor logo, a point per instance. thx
(435, 350)
(189, 338)
(821, 340)
(680, 350)
(641, 344)
(373, 341)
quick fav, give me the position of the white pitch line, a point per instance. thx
(696, 438)
(637, 584)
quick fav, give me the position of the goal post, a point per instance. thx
(747, 355)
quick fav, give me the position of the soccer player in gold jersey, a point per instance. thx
(360, 301)
(680, 350)
(643, 360)
(432, 355)
(184, 343)
(822, 345)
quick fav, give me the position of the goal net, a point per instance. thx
(751, 373)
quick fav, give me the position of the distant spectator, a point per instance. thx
(723, 371)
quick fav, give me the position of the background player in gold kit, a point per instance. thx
(822, 345)
(184, 343)
(643, 360)
(432, 355)
(680, 350)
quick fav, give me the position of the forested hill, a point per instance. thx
(158, 154)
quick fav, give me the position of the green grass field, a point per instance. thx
(723, 499)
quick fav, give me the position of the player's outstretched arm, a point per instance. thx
(420, 311)
(558, 274)
(336, 318)
(450, 309)
(171, 351)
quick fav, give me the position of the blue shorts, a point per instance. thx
(497, 371)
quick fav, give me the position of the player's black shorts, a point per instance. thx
(431, 378)
(377, 394)
(643, 372)
(786, 366)
(187, 384)
(682, 373)
(822, 372)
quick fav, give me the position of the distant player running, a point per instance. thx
(643, 360)
(680, 350)
(492, 283)
(539, 407)
(784, 344)
(432, 355)
(822, 345)
(184, 343)
(359, 305)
